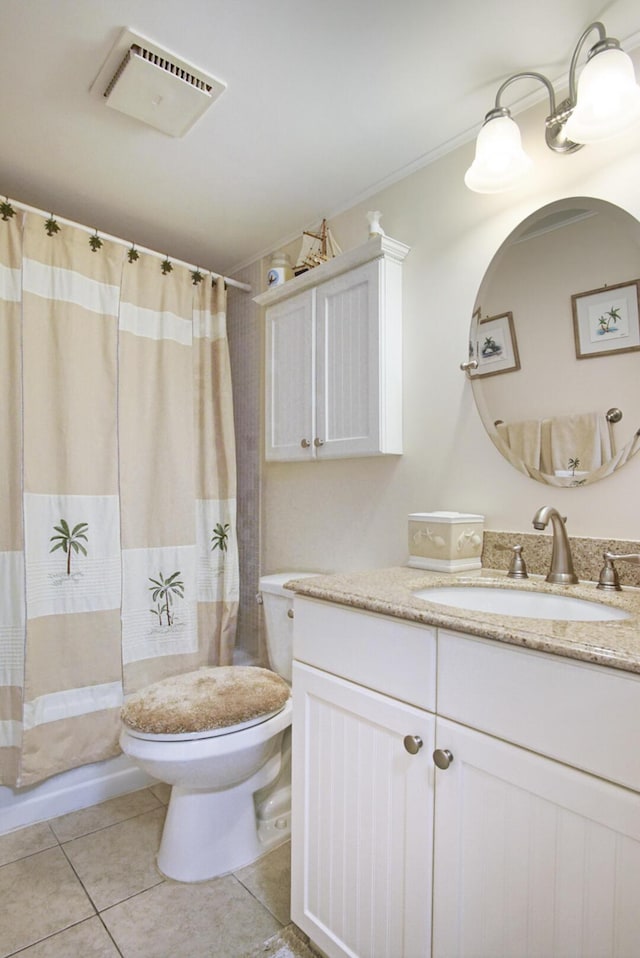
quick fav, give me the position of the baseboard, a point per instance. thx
(69, 791)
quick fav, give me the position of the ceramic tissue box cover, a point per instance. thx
(445, 541)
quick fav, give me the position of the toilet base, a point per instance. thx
(274, 817)
(211, 833)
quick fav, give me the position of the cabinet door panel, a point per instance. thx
(289, 387)
(362, 820)
(347, 378)
(532, 858)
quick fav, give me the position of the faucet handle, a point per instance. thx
(609, 580)
(517, 569)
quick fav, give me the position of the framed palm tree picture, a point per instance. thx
(496, 345)
(606, 320)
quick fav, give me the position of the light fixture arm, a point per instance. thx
(604, 43)
(526, 76)
(555, 136)
(558, 114)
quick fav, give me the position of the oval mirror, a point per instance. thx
(556, 337)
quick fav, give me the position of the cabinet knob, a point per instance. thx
(290, 613)
(318, 442)
(305, 443)
(442, 757)
(413, 744)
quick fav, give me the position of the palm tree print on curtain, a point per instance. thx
(69, 540)
(220, 538)
(163, 593)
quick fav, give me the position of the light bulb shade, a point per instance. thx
(608, 99)
(500, 162)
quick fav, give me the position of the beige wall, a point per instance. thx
(352, 514)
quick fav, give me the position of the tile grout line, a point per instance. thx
(80, 882)
(255, 898)
(54, 934)
(101, 828)
(115, 944)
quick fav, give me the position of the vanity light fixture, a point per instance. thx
(605, 103)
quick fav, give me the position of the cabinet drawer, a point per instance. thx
(388, 655)
(582, 714)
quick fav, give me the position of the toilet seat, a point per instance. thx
(204, 704)
(204, 733)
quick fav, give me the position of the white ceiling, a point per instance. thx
(326, 101)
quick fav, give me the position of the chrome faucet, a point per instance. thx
(561, 569)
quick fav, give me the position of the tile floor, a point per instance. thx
(85, 885)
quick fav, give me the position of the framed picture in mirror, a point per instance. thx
(607, 320)
(497, 347)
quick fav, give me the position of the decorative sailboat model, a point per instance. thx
(316, 248)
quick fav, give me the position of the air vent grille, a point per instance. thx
(167, 65)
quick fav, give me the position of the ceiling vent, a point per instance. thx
(154, 86)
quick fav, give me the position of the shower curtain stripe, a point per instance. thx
(12, 607)
(121, 576)
(218, 576)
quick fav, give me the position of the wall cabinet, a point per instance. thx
(333, 380)
(532, 829)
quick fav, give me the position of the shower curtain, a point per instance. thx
(118, 557)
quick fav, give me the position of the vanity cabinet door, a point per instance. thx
(531, 857)
(362, 819)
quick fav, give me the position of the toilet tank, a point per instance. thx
(277, 608)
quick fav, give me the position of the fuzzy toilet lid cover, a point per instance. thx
(209, 698)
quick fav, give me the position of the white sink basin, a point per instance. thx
(526, 604)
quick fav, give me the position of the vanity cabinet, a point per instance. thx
(333, 381)
(530, 825)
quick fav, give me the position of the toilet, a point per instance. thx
(221, 738)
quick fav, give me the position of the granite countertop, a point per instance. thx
(390, 592)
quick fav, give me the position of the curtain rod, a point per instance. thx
(245, 287)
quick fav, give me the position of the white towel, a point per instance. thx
(583, 442)
(522, 439)
(618, 458)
